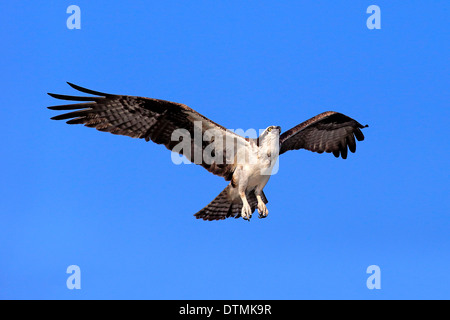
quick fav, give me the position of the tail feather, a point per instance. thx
(218, 209)
(223, 206)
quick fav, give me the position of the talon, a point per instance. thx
(262, 210)
(246, 212)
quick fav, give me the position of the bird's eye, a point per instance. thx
(269, 129)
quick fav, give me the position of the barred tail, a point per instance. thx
(223, 206)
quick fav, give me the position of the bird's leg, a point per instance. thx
(246, 212)
(262, 209)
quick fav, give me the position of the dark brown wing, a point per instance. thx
(327, 132)
(150, 119)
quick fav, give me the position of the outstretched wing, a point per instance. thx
(161, 121)
(327, 132)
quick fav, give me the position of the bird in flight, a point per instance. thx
(246, 162)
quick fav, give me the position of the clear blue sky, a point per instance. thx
(123, 212)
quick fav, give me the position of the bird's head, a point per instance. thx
(271, 133)
(273, 130)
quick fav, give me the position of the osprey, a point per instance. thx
(247, 163)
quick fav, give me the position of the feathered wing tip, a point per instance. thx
(350, 142)
(330, 132)
(223, 207)
(90, 101)
(77, 98)
(358, 133)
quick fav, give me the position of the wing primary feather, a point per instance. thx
(74, 114)
(72, 106)
(351, 143)
(73, 98)
(336, 153)
(359, 135)
(343, 149)
(80, 120)
(89, 91)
